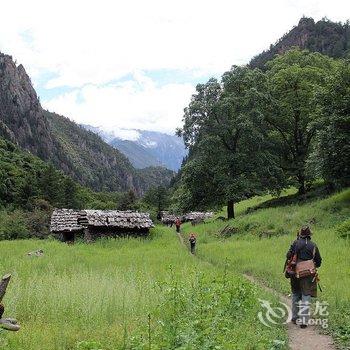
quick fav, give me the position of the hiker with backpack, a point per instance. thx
(192, 239)
(303, 258)
(177, 224)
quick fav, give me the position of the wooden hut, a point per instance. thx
(64, 224)
(67, 224)
(168, 219)
(197, 217)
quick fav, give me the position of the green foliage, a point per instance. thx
(30, 188)
(261, 132)
(157, 197)
(155, 176)
(343, 229)
(331, 158)
(128, 201)
(295, 78)
(223, 127)
(13, 225)
(88, 345)
(129, 294)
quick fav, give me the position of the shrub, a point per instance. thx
(13, 225)
(343, 230)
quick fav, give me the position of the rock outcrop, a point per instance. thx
(326, 37)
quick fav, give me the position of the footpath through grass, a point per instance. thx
(128, 294)
(248, 251)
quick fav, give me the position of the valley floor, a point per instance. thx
(152, 294)
(128, 294)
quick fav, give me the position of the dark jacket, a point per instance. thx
(304, 249)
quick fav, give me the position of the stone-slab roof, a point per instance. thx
(75, 220)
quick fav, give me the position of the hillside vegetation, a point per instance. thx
(30, 188)
(92, 161)
(250, 250)
(129, 294)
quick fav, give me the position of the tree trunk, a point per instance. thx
(3, 285)
(230, 209)
(301, 180)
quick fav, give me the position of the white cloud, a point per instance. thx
(137, 103)
(87, 44)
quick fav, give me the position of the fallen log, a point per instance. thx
(9, 324)
(3, 285)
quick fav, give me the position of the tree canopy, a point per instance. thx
(254, 131)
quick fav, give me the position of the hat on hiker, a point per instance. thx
(305, 231)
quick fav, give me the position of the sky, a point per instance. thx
(135, 64)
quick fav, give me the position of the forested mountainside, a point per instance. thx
(155, 176)
(92, 161)
(77, 152)
(327, 37)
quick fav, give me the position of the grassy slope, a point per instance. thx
(264, 258)
(103, 293)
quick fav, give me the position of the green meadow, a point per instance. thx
(128, 294)
(263, 236)
(152, 294)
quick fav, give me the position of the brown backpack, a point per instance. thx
(306, 268)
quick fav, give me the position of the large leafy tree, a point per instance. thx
(295, 78)
(332, 155)
(157, 197)
(225, 129)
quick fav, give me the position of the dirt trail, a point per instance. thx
(300, 339)
(181, 239)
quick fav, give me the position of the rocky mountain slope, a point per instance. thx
(21, 117)
(79, 153)
(145, 148)
(139, 156)
(326, 37)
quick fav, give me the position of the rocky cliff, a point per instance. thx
(326, 37)
(21, 116)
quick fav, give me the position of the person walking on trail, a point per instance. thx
(303, 258)
(178, 224)
(192, 239)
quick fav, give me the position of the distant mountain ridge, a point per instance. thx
(79, 153)
(145, 148)
(326, 37)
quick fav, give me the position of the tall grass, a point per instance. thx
(247, 252)
(127, 294)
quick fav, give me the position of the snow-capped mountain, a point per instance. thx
(145, 148)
